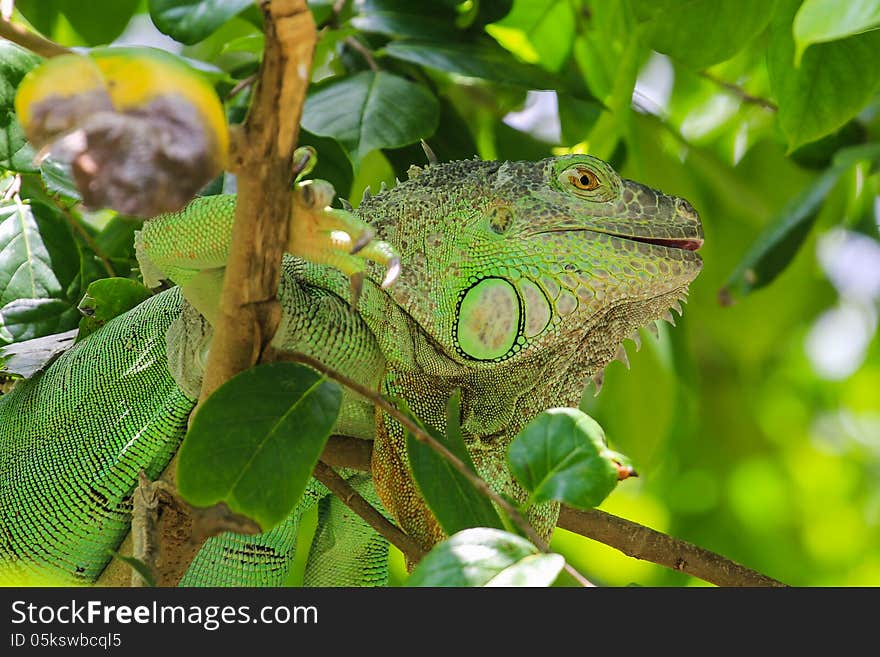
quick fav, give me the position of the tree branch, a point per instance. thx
(631, 538)
(262, 159)
(167, 532)
(353, 500)
(261, 156)
(641, 542)
(31, 40)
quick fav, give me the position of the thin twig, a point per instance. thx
(423, 436)
(241, 85)
(31, 40)
(88, 239)
(642, 542)
(354, 501)
(740, 93)
(363, 51)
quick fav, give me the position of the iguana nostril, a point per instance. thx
(686, 210)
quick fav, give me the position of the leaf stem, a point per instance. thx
(31, 40)
(740, 93)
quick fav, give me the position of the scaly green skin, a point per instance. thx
(516, 286)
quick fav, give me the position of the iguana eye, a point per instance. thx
(582, 178)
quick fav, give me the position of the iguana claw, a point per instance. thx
(337, 238)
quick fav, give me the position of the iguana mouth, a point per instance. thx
(688, 244)
(684, 243)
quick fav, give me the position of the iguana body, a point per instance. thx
(519, 281)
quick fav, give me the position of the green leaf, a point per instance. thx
(371, 110)
(404, 24)
(834, 81)
(98, 23)
(333, 164)
(107, 298)
(486, 557)
(776, 245)
(41, 14)
(474, 60)
(539, 32)
(39, 268)
(818, 21)
(15, 153)
(189, 21)
(699, 33)
(58, 179)
(28, 357)
(451, 497)
(254, 442)
(26, 319)
(561, 455)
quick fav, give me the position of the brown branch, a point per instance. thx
(261, 156)
(629, 537)
(740, 93)
(31, 40)
(353, 500)
(167, 532)
(345, 452)
(423, 436)
(642, 542)
(241, 85)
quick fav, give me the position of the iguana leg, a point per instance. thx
(191, 247)
(262, 560)
(346, 551)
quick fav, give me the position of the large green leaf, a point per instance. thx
(190, 21)
(15, 152)
(254, 442)
(404, 24)
(486, 557)
(451, 497)
(779, 242)
(98, 23)
(561, 455)
(473, 60)
(699, 33)
(371, 110)
(26, 319)
(539, 32)
(834, 81)
(40, 267)
(818, 21)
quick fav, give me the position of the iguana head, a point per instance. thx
(503, 260)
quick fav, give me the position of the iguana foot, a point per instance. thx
(337, 238)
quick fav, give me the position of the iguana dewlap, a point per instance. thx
(518, 282)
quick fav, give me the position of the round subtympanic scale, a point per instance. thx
(488, 319)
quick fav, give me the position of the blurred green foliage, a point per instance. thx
(755, 425)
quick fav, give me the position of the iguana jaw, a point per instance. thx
(685, 244)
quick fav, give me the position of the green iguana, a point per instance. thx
(518, 283)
